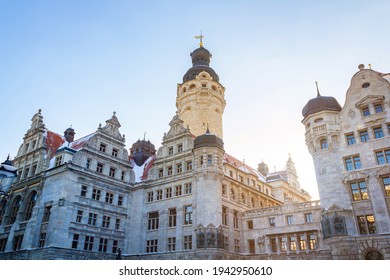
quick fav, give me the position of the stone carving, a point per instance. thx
(351, 114)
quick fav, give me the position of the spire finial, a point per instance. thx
(144, 135)
(318, 91)
(200, 37)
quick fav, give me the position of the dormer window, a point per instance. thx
(378, 108)
(365, 111)
(103, 147)
(170, 151)
(114, 152)
(58, 161)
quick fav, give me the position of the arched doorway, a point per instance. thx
(373, 255)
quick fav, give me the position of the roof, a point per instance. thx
(242, 166)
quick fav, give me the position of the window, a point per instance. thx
(188, 215)
(117, 224)
(83, 191)
(289, 220)
(114, 152)
(308, 217)
(46, 214)
(272, 221)
(293, 244)
(224, 189)
(359, 191)
(171, 243)
(189, 165)
(170, 151)
(109, 197)
(283, 244)
(99, 167)
(302, 243)
(177, 190)
(58, 161)
(102, 147)
(18, 239)
(96, 194)
(352, 163)
(103, 245)
(324, 144)
(160, 173)
(92, 219)
(79, 216)
(250, 224)
(120, 200)
(114, 246)
(3, 205)
(350, 139)
(151, 246)
(180, 148)
(365, 111)
(3, 243)
(312, 242)
(386, 184)
(42, 238)
(274, 246)
(14, 210)
(150, 196)
(123, 175)
(88, 243)
(33, 169)
(168, 192)
(31, 200)
(106, 221)
(383, 156)
(187, 242)
(378, 107)
(112, 172)
(172, 217)
(26, 172)
(232, 194)
(169, 173)
(75, 241)
(179, 168)
(224, 216)
(235, 219)
(188, 188)
(237, 245)
(153, 218)
(378, 132)
(159, 194)
(209, 159)
(88, 163)
(366, 224)
(27, 146)
(364, 136)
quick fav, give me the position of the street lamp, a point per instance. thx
(8, 174)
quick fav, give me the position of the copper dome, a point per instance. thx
(321, 103)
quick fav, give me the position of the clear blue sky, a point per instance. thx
(79, 61)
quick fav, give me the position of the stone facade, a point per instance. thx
(350, 146)
(91, 199)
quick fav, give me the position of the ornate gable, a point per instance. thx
(112, 128)
(177, 127)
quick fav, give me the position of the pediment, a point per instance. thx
(334, 208)
(385, 170)
(355, 175)
(370, 99)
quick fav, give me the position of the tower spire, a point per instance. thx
(318, 91)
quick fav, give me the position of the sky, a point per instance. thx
(79, 61)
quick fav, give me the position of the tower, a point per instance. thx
(200, 99)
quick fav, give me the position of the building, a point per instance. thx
(90, 198)
(350, 146)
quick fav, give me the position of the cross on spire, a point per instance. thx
(200, 37)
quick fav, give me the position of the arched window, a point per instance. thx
(2, 210)
(324, 144)
(14, 210)
(374, 255)
(32, 198)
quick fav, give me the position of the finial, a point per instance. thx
(361, 67)
(208, 129)
(114, 113)
(369, 65)
(200, 37)
(318, 91)
(144, 135)
(39, 111)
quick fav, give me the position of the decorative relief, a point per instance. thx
(351, 114)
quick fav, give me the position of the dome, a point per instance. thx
(200, 62)
(141, 151)
(208, 140)
(321, 103)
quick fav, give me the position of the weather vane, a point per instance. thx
(200, 37)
